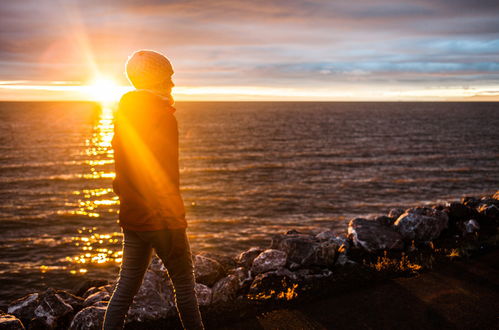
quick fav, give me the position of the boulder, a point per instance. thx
(91, 291)
(10, 322)
(325, 235)
(69, 298)
(269, 284)
(52, 310)
(470, 201)
(226, 289)
(96, 297)
(458, 212)
(471, 226)
(89, 318)
(268, 260)
(394, 213)
(207, 270)
(243, 276)
(306, 250)
(204, 294)
(489, 213)
(24, 308)
(496, 196)
(81, 288)
(246, 258)
(154, 301)
(373, 236)
(421, 224)
(226, 261)
(385, 220)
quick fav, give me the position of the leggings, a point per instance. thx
(172, 247)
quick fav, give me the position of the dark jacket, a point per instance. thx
(145, 146)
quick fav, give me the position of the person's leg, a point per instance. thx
(172, 247)
(136, 258)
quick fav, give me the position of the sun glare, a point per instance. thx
(104, 89)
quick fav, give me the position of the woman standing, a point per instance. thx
(152, 214)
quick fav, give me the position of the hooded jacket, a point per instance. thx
(145, 144)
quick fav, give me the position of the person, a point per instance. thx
(151, 214)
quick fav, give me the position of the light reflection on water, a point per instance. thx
(95, 246)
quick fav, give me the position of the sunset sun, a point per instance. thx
(104, 89)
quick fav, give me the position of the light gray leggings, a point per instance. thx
(172, 247)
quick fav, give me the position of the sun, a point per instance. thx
(104, 89)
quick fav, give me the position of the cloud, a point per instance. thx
(275, 43)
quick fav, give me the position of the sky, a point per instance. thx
(361, 50)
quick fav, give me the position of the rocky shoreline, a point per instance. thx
(297, 267)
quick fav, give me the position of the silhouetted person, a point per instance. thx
(152, 214)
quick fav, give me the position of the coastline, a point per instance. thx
(297, 270)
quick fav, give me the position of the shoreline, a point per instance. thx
(295, 270)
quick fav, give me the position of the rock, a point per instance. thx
(470, 201)
(69, 298)
(96, 297)
(273, 282)
(243, 276)
(204, 294)
(421, 224)
(226, 262)
(89, 318)
(207, 270)
(154, 300)
(395, 213)
(24, 308)
(52, 310)
(226, 289)
(384, 220)
(10, 322)
(157, 266)
(325, 235)
(109, 288)
(300, 249)
(268, 260)
(372, 236)
(246, 258)
(496, 196)
(458, 212)
(81, 288)
(471, 226)
(90, 292)
(489, 213)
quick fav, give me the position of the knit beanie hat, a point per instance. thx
(146, 68)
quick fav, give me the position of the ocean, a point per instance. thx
(248, 170)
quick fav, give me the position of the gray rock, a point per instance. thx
(246, 258)
(10, 322)
(226, 289)
(372, 236)
(51, 310)
(300, 249)
(207, 270)
(154, 301)
(96, 297)
(204, 294)
(89, 318)
(268, 260)
(471, 226)
(421, 224)
(24, 308)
